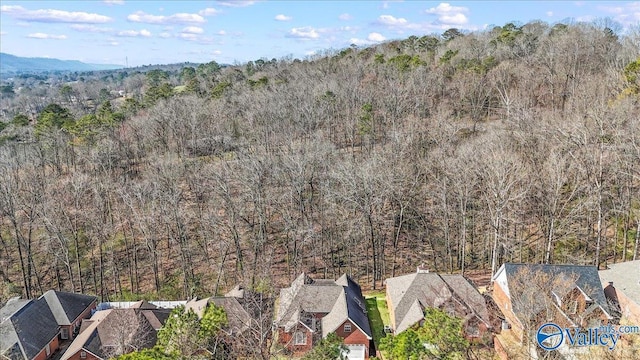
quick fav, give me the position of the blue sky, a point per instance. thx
(231, 31)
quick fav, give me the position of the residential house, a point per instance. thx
(309, 310)
(530, 295)
(112, 332)
(409, 295)
(69, 309)
(28, 330)
(622, 290)
(33, 329)
(238, 318)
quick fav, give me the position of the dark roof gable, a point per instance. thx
(67, 307)
(35, 326)
(356, 306)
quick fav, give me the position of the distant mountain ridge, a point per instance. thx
(16, 64)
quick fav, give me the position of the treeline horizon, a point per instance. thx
(519, 143)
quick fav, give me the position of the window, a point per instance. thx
(573, 307)
(299, 338)
(347, 327)
(83, 354)
(64, 333)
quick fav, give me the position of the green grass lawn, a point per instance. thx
(378, 314)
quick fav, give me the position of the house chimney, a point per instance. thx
(422, 269)
(611, 283)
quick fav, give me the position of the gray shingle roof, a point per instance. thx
(306, 295)
(339, 300)
(13, 305)
(67, 307)
(564, 279)
(625, 277)
(237, 317)
(417, 289)
(106, 327)
(411, 294)
(468, 294)
(28, 330)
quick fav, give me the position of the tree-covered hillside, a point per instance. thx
(460, 151)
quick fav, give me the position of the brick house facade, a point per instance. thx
(309, 310)
(568, 295)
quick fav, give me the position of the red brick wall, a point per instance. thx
(500, 350)
(630, 310)
(483, 330)
(287, 340)
(354, 337)
(53, 346)
(75, 323)
(90, 356)
(85, 315)
(503, 302)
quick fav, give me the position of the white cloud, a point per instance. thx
(450, 15)
(444, 21)
(3, 33)
(236, 3)
(391, 20)
(135, 33)
(53, 16)
(549, 13)
(114, 43)
(90, 28)
(454, 19)
(282, 17)
(193, 30)
(359, 42)
(376, 37)
(345, 17)
(46, 36)
(217, 52)
(373, 38)
(187, 36)
(222, 32)
(209, 12)
(179, 18)
(627, 15)
(113, 2)
(446, 8)
(306, 32)
(164, 35)
(401, 24)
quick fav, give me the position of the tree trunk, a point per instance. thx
(547, 255)
(635, 249)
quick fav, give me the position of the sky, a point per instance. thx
(142, 32)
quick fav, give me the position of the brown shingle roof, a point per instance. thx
(410, 294)
(106, 329)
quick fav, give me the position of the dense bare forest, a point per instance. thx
(460, 151)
